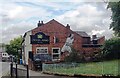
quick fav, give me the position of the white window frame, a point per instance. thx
(41, 48)
(55, 53)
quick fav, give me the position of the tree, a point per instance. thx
(14, 46)
(111, 49)
(115, 24)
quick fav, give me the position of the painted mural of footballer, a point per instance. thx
(68, 44)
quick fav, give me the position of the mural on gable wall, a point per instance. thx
(68, 44)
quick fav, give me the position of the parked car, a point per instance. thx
(5, 57)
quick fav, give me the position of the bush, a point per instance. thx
(111, 49)
(74, 56)
(97, 57)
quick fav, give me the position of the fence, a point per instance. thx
(97, 69)
(18, 71)
(60, 68)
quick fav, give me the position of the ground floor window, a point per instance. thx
(55, 54)
(42, 50)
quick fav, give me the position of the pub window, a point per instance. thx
(42, 50)
(55, 53)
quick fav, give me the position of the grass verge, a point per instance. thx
(93, 68)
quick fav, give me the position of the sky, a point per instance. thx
(18, 17)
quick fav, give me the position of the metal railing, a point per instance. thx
(60, 68)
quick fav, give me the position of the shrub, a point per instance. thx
(98, 56)
(74, 56)
(111, 49)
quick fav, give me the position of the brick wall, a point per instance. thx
(101, 40)
(54, 28)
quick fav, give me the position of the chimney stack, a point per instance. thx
(39, 24)
(94, 37)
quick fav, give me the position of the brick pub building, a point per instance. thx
(55, 39)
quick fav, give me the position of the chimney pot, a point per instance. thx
(38, 23)
(42, 22)
(68, 27)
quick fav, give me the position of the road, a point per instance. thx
(39, 74)
(4, 68)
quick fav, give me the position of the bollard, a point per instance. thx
(16, 71)
(11, 69)
(27, 72)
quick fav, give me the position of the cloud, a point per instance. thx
(94, 32)
(18, 12)
(17, 19)
(60, 0)
(89, 18)
(15, 30)
(15, 12)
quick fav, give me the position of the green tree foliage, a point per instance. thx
(14, 46)
(115, 25)
(111, 49)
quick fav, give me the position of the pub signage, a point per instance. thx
(39, 38)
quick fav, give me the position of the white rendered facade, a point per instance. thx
(26, 47)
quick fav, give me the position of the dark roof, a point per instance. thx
(82, 33)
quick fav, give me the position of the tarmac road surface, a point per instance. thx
(4, 68)
(38, 74)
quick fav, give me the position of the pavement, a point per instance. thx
(31, 72)
(39, 74)
(34, 73)
(4, 69)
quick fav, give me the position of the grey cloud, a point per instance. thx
(15, 30)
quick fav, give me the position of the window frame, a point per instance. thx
(40, 49)
(55, 53)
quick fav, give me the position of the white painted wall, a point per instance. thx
(27, 46)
